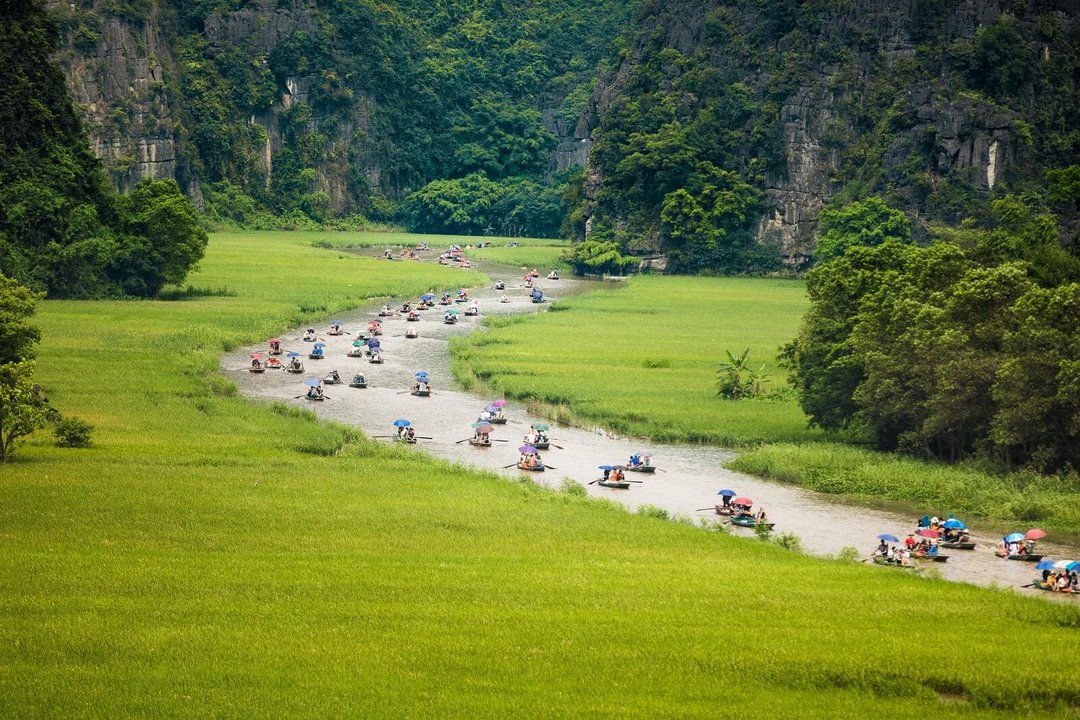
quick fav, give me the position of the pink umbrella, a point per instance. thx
(258, 356)
(499, 403)
(744, 501)
(1034, 534)
(928, 533)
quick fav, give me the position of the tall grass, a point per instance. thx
(214, 557)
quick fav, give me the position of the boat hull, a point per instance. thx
(535, 468)
(879, 560)
(957, 546)
(748, 522)
(421, 393)
(358, 385)
(256, 370)
(477, 443)
(642, 469)
(614, 485)
(497, 421)
(1021, 558)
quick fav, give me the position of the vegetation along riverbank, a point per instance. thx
(631, 359)
(211, 556)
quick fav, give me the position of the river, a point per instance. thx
(688, 478)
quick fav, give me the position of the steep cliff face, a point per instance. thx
(902, 99)
(116, 70)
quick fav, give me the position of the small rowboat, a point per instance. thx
(1021, 558)
(375, 360)
(356, 352)
(315, 356)
(497, 421)
(964, 545)
(446, 301)
(413, 318)
(881, 560)
(421, 393)
(479, 443)
(542, 445)
(331, 380)
(471, 312)
(358, 385)
(641, 468)
(748, 521)
(930, 558)
(461, 300)
(539, 467)
(409, 441)
(1046, 587)
(257, 369)
(339, 331)
(275, 352)
(616, 485)
(295, 370)
(411, 334)
(386, 313)
(724, 510)
(315, 398)
(274, 364)
(452, 320)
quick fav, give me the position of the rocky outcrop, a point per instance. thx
(119, 80)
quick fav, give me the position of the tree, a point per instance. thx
(737, 380)
(22, 410)
(17, 336)
(866, 222)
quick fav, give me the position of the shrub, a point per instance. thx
(72, 432)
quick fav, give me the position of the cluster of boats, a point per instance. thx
(739, 510)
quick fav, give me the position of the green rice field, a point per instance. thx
(642, 359)
(211, 557)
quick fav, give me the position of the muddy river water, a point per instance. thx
(688, 477)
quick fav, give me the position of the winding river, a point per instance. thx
(688, 477)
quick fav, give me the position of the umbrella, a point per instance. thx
(1032, 534)
(478, 423)
(499, 403)
(319, 345)
(402, 422)
(727, 493)
(954, 524)
(374, 342)
(357, 343)
(527, 449)
(293, 354)
(888, 538)
(420, 373)
(335, 322)
(541, 427)
(490, 409)
(427, 296)
(1013, 537)
(742, 501)
(451, 312)
(1045, 565)
(312, 382)
(618, 467)
(928, 533)
(257, 356)
(605, 467)
(273, 340)
(483, 427)
(1066, 565)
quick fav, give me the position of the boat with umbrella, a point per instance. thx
(530, 459)
(955, 535)
(1020, 546)
(358, 381)
(496, 410)
(743, 517)
(357, 348)
(294, 366)
(314, 390)
(481, 434)
(275, 346)
(317, 351)
(725, 507)
(256, 363)
(641, 462)
(422, 384)
(404, 431)
(451, 317)
(537, 437)
(613, 477)
(1059, 576)
(888, 556)
(427, 300)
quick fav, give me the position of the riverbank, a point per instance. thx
(642, 360)
(213, 556)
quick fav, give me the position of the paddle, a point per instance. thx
(551, 467)
(506, 467)
(592, 482)
(424, 437)
(498, 440)
(461, 441)
(703, 509)
(1030, 585)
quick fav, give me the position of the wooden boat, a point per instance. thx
(452, 320)
(279, 351)
(411, 334)
(542, 445)
(539, 467)
(641, 468)
(315, 398)
(881, 560)
(412, 318)
(446, 301)
(497, 421)
(748, 521)
(1021, 557)
(615, 485)
(1045, 587)
(295, 370)
(375, 360)
(409, 441)
(332, 379)
(930, 558)
(421, 393)
(339, 331)
(358, 385)
(962, 545)
(274, 364)
(724, 510)
(356, 352)
(315, 356)
(386, 313)
(479, 443)
(255, 369)
(471, 312)
(461, 300)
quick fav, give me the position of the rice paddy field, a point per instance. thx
(214, 557)
(642, 359)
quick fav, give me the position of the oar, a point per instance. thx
(556, 446)
(461, 441)
(424, 437)
(637, 481)
(505, 467)
(703, 509)
(498, 440)
(551, 467)
(1030, 585)
(592, 482)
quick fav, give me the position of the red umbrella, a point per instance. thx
(1034, 534)
(742, 501)
(258, 356)
(928, 533)
(273, 340)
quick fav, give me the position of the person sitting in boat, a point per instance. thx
(315, 393)
(617, 475)
(389, 255)
(275, 346)
(375, 357)
(924, 522)
(882, 548)
(295, 364)
(274, 364)
(504, 299)
(407, 307)
(410, 435)
(553, 275)
(255, 364)
(934, 523)
(500, 285)
(309, 335)
(761, 517)
(498, 414)
(358, 379)
(332, 377)
(910, 541)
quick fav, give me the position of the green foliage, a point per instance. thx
(951, 349)
(17, 336)
(71, 432)
(735, 379)
(22, 410)
(599, 256)
(868, 222)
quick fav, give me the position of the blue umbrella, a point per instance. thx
(888, 538)
(293, 354)
(335, 322)
(319, 345)
(727, 493)
(427, 296)
(374, 342)
(954, 524)
(420, 373)
(1014, 537)
(402, 422)
(1045, 565)
(604, 467)
(313, 383)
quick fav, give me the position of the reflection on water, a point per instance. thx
(688, 477)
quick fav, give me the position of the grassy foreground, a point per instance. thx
(642, 359)
(211, 557)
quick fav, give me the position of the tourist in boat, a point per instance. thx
(309, 335)
(500, 285)
(634, 460)
(407, 307)
(498, 414)
(315, 393)
(255, 364)
(358, 379)
(924, 522)
(504, 299)
(274, 364)
(410, 435)
(761, 517)
(275, 346)
(295, 364)
(882, 548)
(910, 542)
